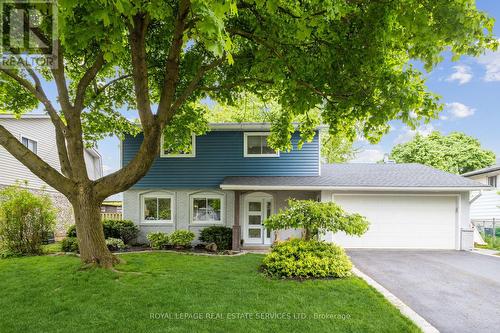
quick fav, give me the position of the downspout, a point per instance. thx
(477, 196)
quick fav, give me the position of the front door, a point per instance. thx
(257, 209)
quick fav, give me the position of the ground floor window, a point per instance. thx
(157, 208)
(207, 208)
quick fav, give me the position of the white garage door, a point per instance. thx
(427, 222)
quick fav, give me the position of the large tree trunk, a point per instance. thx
(92, 245)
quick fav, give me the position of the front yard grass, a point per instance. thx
(167, 292)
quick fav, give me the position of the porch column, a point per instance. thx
(236, 226)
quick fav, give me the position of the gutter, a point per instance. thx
(349, 188)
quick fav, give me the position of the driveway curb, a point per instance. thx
(423, 324)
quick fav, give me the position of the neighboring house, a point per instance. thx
(37, 132)
(111, 207)
(486, 204)
(232, 178)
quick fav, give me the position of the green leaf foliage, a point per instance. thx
(26, 220)
(456, 153)
(303, 259)
(315, 218)
(220, 235)
(354, 59)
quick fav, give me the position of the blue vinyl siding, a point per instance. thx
(220, 154)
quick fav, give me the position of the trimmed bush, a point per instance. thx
(181, 238)
(158, 240)
(221, 236)
(303, 259)
(115, 244)
(125, 230)
(26, 220)
(69, 244)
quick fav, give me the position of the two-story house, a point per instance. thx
(37, 132)
(486, 204)
(232, 177)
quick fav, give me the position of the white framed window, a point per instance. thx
(492, 181)
(157, 208)
(255, 145)
(188, 153)
(207, 208)
(30, 143)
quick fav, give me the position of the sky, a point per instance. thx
(469, 89)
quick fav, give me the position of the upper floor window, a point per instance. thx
(157, 208)
(207, 208)
(189, 152)
(29, 143)
(492, 181)
(255, 145)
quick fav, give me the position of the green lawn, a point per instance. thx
(52, 293)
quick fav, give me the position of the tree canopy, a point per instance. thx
(456, 153)
(355, 59)
(335, 148)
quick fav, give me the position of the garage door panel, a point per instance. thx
(401, 221)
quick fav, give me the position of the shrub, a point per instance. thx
(123, 229)
(182, 238)
(71, 231)
(158, 240)
(298, 258)
(115, 244)
(317, 217)
(221, 236)
(25, 220)
(69, 244)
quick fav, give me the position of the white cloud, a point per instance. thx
(491, 61)
(459, 110)
(462, 74)
(368, 156)
(408, 133)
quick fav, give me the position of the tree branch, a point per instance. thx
(33, 162)
(85, 81)
(60, 79)
(194, 83)
(137, 38)
(165, 112)
(59, 126)
(138, 167)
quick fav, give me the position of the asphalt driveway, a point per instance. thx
(455, 291)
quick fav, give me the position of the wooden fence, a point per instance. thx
(111, 216)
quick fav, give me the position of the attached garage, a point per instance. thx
(426, 221)
(409, 206)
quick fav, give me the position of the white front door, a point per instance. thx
(257, 209)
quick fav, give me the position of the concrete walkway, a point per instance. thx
(455, 291)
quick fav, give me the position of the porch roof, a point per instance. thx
(363, 177)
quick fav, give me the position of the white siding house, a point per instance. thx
(486, 204)
(37, 132)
